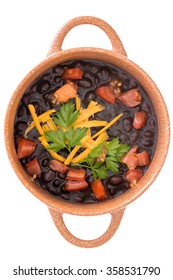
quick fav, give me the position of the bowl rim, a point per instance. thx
(149, 86)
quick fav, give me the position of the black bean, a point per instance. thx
(148, 143)
(103, 74)
(126, 113)
(47, 97)
(123, 138)
(21, 111)
(45, 162)
(134, 137)
(57, 79)
(148, 133)
(65, 196)
(89, 96)
(26, 99)
(90, 179)
(112, 191)
(152, 123)
(133, 84)
(21, 126)
(84, 83)
(62, 175)
(56, 183)
(58, 70)
(127, 124)
(43, 87)
(79, 198)
(115, 180)
(33, 89)
(48, 175)
(53, 190)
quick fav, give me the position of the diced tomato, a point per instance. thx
(58, 166)
(143, 158)
(75, 185)
(130, 98)
(76, 174)
(133, 176)
(72, 74)
(99, 190)
(64, 93)
(140, 119)
(106, 93)
(33, 167)
(130, 158)
(25, 147)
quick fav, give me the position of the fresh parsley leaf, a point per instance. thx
(101, 172)
(113, 146)
(112, 164)
(56, 137)
(57, 140)
(55, 147)
(67, 115)
(114, 151)
(74, 136)
(97, 151)
(122, 149)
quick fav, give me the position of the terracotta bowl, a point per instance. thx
(117, 56)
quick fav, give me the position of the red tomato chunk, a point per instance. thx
(133, 176)
(130, 98)
(75, 185)
(140, 119)
(106, 93)
(33, 167)
(72, 74)
(99, 190)
(25, 147)
(58, 166)
(143, 158)
(76, 174)
(130, 158)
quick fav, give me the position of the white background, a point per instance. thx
(27, 234)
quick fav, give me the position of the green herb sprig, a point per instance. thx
(66, 136)
(113, 152)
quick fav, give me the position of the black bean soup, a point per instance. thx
(95, 74)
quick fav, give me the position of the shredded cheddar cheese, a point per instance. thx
(75, 150)
(91, 104)
(93, 123)
(51, 125)
(86, 152)
(107, 126)
(35, 119)
(82, 156)
(86, 113)
(78, 103)
(42, 118)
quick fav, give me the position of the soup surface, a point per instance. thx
(85, 131)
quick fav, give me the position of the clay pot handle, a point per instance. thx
(60, 225)
(117, 45)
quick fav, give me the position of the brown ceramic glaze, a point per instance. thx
(116, 56)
